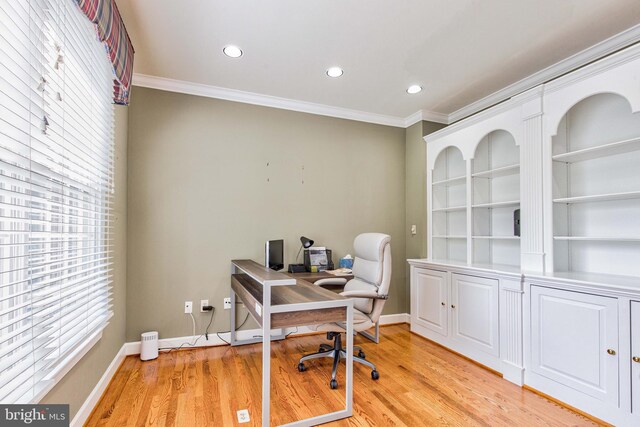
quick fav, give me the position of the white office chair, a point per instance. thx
(370, 289)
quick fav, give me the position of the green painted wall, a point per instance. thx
(212, 180)
(416, 192)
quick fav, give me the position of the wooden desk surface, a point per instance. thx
(250, 292)
(262, 274)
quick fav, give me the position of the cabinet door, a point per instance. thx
(474, 312)
(574, 340)
(429, 302)
(635, 355)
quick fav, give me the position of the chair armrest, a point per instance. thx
(363, 294)
(331, 281)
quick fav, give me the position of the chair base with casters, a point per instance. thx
(337, 353)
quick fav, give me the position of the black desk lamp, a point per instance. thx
(306, 244)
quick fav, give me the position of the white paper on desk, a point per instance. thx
(318, 256)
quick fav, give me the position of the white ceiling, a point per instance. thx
(458, 50)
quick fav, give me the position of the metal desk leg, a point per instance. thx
(266, 356)
(348, 410)
(232, 327)
(349, 361)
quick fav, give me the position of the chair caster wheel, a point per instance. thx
(361, 354)
(333, 384)
(301, 367)
(375, 375)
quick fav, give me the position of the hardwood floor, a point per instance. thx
(421, 384)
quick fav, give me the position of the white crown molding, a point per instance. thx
(426, 115)
(181, 86)
(486, 114)
(617, 59)
(198, 89)
(580, 59)
(572, 63)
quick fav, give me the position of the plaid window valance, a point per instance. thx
(110, 28)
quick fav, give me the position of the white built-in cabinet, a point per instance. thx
(590, 324)
(635, 356)
(459, 310)
(474, 313)
(555, 304)
(463, 308)
(430, 300)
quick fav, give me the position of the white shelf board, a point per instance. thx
(599, 197)
(611, 149)
(451, 209)
(597, 239)
(451, 181)
(496, 237)
(450, 237)
(497, 204)
(498, 172)
(605, 281)
(511, 270)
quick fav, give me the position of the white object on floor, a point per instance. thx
(149, 345)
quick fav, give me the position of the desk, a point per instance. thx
(276, 300)
(314, 277)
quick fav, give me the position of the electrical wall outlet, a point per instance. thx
(227, 303)
(188, 307)
(203, 304)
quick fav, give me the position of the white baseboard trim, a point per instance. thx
(388, 319)
(95, 395)
(132, 348)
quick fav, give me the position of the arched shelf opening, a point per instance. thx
(449, 206)
(596, 188)
(495, 201)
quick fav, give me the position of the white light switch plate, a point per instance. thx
(414, 230)
(243, 416)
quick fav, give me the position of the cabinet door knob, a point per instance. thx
(611, 351)
(636, 359)
(442, 304)
(453, 306)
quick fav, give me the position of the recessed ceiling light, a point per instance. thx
(232, 51)
(334, 72)
(413, 89)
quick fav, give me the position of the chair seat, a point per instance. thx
(361, 322)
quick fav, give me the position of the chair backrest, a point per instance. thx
(371, 270)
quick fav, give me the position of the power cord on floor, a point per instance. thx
(193, 321)
(289, 333)
(226, 332)
(292, 332)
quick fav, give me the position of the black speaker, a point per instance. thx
(516, 222)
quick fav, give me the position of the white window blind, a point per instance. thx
(56, 185)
